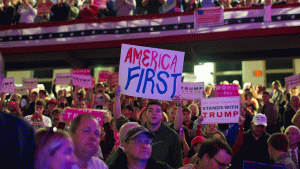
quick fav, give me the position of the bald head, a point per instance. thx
(124, 130)
(293, 135)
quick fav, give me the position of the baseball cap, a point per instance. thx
(198, 139)
(53, 101)
(260, 119)
(132, 133)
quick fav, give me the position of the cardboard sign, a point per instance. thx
(150, 72)
(113, 79)
(292, 81)
(82, 80)
(227, 90)
(192, 91)
(220, 110)
(63, 78)
(254, 164)
(85, 71)
(20, 89)
(30, 83)
(8, 85)
(44, 8)
(71, 113)
(103, 76)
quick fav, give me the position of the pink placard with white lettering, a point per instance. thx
(103, 76)
(71, 113)
(227, 90)
(85, 71)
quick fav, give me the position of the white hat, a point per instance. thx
(260, 119)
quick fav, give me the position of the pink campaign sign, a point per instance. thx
(82, 71)
(71, 113)
(227, 90)
(103, 76)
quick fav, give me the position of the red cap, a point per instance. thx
(53, 101)
(198, 139)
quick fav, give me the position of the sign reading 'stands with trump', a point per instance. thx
(150, 72)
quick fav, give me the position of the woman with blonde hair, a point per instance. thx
(209, 130)
(54, 149)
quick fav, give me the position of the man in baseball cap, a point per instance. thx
(254, 146)
(137, 150)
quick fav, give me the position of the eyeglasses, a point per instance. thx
(222, 164)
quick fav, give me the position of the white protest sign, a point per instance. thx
(82, 80)
(63, 78)
(150, 72)
(220, 110)
(8, 85)
(20, 89)
(30, 83)
(192, 91)
(292, 81)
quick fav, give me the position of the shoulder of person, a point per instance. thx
(98, 163)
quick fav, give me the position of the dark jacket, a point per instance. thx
(253, 150)
(112, 159)
(121, 163)
(166, 146)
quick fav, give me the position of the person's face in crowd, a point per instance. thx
(111, 106)
(266, 98)
(86, 139)
(33, 97)
(258, 130)
(46, 111)
(99, 89)
(211, 128)
(42, 96)
(144, 103)
(64, 157)
(135, 113)
(81, 105)
(23, 103)
(127, 101)
(56, 117)
(194, 109)
(60, 93)
(221, 160)
(172, 115)
(139, 148)
(293, 136)
(39, 108)
(127, 113)
(186, 117)
(154, 114)
(61, 102)
(52, 107)
(6, 3)
(295, 102)
(295, 91)
(13, 105)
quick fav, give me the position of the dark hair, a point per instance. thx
(212, 146)
(266, 93)
(219, 132)
(40, 102)
(43, 91)
(35, 93)
(76, 121)
(187, 110)
(279, 142)
(59, 110)
(129, 107)
(154, 102)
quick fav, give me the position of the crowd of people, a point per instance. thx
(14, 12)
(147, 133)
